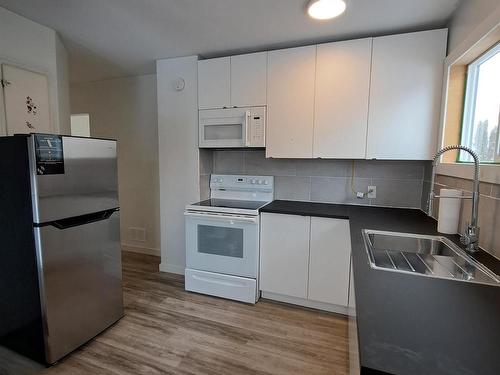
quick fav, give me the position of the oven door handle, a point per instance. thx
(244, 219)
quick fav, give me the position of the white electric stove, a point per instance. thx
(222, 237)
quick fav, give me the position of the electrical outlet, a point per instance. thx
(372, 192)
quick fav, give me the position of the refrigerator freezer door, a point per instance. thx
(72, 176)
(81, 281)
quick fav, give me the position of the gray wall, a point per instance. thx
(399, 183)
(206, 168)
(125, 109)
(467, 17)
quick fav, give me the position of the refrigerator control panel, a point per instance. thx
(49, 154)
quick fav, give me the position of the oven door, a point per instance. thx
(224, 127)
(227, 244)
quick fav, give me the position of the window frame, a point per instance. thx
(486, 34)
(469, 108)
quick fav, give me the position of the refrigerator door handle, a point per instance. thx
(82, 220)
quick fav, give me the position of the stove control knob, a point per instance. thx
(266, 182)
(260, 182)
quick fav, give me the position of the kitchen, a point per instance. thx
(279, 211)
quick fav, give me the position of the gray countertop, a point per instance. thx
(411, 324)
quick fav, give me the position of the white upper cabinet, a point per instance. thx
(290, 102)
(248, 80)
(236, 81)
(373, 98)
(214, 83)
(341, 104)
(405, 95)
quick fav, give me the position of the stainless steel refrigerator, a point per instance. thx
(60, 258)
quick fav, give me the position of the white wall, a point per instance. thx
(32, 46)
(125, 109)
(62, 69)
(178, 155)
(469, 15)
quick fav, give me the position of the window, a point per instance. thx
(80, 125)
(482, 108)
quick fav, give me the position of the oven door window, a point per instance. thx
(228, 245)
(222, 241)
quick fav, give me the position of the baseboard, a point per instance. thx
(172, 268)
(306, 303)
(141, 249)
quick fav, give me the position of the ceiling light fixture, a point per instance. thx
(325, 9)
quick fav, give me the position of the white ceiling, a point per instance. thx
(112, 38)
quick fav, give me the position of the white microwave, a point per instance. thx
(233, 127)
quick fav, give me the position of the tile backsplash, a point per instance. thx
(206, 169)
(399, 183)
(489, 209)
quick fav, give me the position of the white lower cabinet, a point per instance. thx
(305, 260)
(329, 261)
(284, 254)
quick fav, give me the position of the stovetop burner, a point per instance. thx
(231, 203)
(236, 194)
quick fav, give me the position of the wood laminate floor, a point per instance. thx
(167, 330)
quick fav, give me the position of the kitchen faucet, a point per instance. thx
(471, 237)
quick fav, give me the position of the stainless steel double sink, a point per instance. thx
(430, 256)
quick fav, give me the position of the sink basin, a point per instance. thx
(431, 256)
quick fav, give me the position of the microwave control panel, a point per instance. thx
(258, 126)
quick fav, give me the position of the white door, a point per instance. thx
(290, 102)
(248, 80)
(284, 254)
(214, 83)
(329, 262)
(341, 105)
(405, 95)
(26, 97)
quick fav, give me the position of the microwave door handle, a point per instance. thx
(247, 128)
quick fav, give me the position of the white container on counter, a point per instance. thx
(449, 211)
